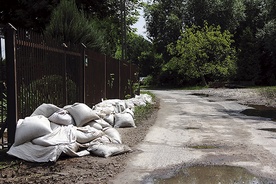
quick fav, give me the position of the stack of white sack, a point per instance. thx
(74, 130)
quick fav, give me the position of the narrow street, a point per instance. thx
(193, 129)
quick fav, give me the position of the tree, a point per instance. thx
(225, 13)
(267, 36)
(164, 21)
(203, 51)
(30, 14)
(69, 25)
(248, 67)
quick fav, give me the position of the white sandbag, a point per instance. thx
(35, 153)
(130, 104)
(62, 117)
(54, 126)
(124, 119)
(129, 111)
(109, 119)
(61, 135)
(108, 102)
(138, 102)
(117, 105)
(120, 106)
(87, 134)
(113, 133)
(31, 128)
(102, 122)
(94, 124)
(82, 114)
(108, 149)
(45, 109)
(107, 109)
(103, 139)
(72, 150)
(145, 97)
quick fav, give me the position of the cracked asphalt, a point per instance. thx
(189, 121)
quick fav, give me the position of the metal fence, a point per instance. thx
(38, 70)
(3, 89)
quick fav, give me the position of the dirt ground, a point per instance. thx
(92, 169)
(87, 169)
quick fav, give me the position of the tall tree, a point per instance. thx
(29, 14)
(69, 25)
(225, 13)
(164, 21)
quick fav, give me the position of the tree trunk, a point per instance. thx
(203, 80)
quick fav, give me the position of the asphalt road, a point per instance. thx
(188, 124)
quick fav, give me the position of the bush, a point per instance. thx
(48, 89)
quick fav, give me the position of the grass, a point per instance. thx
(142, 112)
(268, 92)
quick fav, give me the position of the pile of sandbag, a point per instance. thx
(75, 130)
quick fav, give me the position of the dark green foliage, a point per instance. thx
(164, 21)
(248, 67)
(69, 25)
(31, 14)
(31, 96)
(225, 13)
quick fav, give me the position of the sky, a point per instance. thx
(2, 42)
(140, 25)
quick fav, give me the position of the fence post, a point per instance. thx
(105, 77)
(65, 91)
(12, 115)
(82, 74)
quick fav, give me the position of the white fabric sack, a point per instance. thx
(31, 128)
(103, 139)
(87, 134)
(103, 123)
(61, 117)
(54, 126)
(108, 149)
(120, 106)
(138, 102)
(107, 109)
(72, 150)
(130, 104)
(82, 114)
(108, 102)
(35, 153)
(45, 109)
(109, 119)
(114, 134)
(61, 135)
(124, 119)
(145, 97)
(94, 124)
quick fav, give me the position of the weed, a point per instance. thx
(142, 112)
(268, 92)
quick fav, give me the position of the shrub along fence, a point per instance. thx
(36, 70)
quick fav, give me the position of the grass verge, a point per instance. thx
(268, 92)
(143, 112)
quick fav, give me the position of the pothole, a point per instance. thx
(204, 146)
(191, 128)
(230, 99)
(261, 111)
(209, 175)
(200, 94)
(268, 129)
